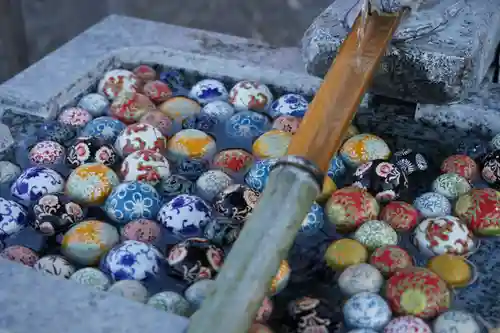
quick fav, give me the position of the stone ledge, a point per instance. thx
(33, 305)
(446, 62)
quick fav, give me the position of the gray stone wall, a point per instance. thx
(47, 24)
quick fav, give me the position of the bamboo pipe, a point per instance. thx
(292, 187)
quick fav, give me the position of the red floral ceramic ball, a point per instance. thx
(157, 91)
(349, 207)
(407, 324)
(480, 209)
(419, 292)
(400, 215)
(462, 165)
(20, 254)
(129, 107)
(390, 258)
(145, 73)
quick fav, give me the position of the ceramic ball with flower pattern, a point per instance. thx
(13, 218)
(91, 150)
(103, 128)
(145, 166)
(35, 182)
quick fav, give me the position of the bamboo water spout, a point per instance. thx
(293, 185)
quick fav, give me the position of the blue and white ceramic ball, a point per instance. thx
(218, 110)
(132, 260)
(247, 124)
(367, 310)
(289, 105)
(96, 104)
(198, 291)
(34, 183)
(456, 321)
(208, 90)
(13, 218)
(104, 128)
(313, 221)
(362, 330)
(55, 131)
(432, 204)
(132, 201)
(337, 168)
(185, 215)
(211, 183)
(256, 177)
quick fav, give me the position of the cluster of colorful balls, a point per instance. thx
(159, 180)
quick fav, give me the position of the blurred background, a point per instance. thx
(29, 29)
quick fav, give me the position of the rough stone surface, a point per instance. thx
(439, 54)
(44, 304)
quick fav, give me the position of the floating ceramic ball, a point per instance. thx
(363, 148)
(236, 202)
(208, 90)
(130, 289)
(490, 168)
(195, 259)
(97, 105)
(233, 161)
(55, 265)
(432, 204)
(479, 209)
(157, 91)
(106, 129)
(129, 107)
(144, 73)
(247, 124)
(91, 277)
(417, 291)
(257, 176)
(139, 137)
(20, 254)
(87, 241)
(117, 81)
(382, 179)
(390, 258)
(462, 165)
(175, 80)
(409, 161)
(456, 321)
(289, 105)
(407, 324)
(197, 292)
(280, 280)
(192, 168)
(218, 110)
(344, 253)
(374, 234)
(366, 310)
(271, 144)
(453, 269)
(47, 153)
(55, 131)
(265, 310)
(91, 183)
(349, 207)
(170, 302)
(337, 168)
(13, 218)
(289, 124)
(211, 183)
(76, 117)
(146, 166)
(445, 234)
(222, 231)
(313, 221)
(91, 150)
(132, 260)
(400, 215)
(302, 310)
(159, 120)
(175, 185)
(54, 214)
(141, 230)
(351, 131)
(35, 182)
(250, 95)
(191, 143)
(179, 108)
(185, 215)
(359, 278)
(451, 185)
(131, 201)
(8, 172)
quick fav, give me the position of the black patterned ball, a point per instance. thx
(310, 314)
(490, 168)
(91, 150)
(409, 161)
